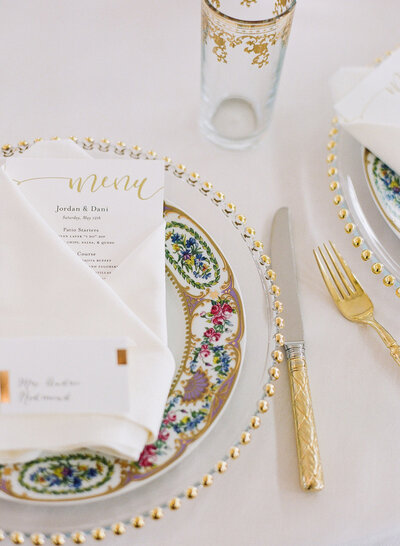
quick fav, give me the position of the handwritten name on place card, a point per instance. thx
(30, 392)
(65, 375)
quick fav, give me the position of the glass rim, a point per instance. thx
(250, 22)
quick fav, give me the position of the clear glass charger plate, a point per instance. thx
(254, 388)
(358, 210)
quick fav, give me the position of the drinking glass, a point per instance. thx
(243, 48)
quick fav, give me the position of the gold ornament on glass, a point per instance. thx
(243, 48)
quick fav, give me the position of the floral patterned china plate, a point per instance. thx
(209, 351)
(384, 184)
(67, 499)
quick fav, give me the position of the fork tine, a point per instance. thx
(334, 277)
(352, 278)
(331, 289)
(339, 271)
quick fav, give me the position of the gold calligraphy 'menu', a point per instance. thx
(94, 183)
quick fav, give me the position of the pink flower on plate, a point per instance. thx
(221, 312)
(204, 351)
(169, 418)
(148, 455)
(163, 435)
(226, 310)
(219, 319)
(216, 309)
(212, 334)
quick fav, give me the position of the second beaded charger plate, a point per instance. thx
(204, 466)
(362, 220)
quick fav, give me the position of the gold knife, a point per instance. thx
(282, 253)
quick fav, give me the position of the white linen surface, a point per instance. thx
(49, 291)
(367, 102)
(130, 70)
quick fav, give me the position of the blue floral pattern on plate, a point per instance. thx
(61, 474)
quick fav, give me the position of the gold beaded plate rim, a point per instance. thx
(351, 228)
(270, 291)
(378, 268)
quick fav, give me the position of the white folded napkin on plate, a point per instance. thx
(47, 290)
(367, 101)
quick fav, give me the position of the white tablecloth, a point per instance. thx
(130, 71)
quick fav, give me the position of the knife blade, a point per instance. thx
(283, 259)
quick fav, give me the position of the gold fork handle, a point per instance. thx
(309, 460)
(387, 339)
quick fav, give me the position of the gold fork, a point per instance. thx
(349, 295)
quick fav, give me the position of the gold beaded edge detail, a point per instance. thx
(272, 291)
(378, 269)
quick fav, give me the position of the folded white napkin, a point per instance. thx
(47, 290)
(367, 101)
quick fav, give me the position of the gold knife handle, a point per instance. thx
(310, 467)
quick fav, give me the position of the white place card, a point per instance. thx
(40, 375)
(102, 208)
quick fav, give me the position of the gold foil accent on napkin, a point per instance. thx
(122, 358)
(4, 387)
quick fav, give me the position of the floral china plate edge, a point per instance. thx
(384, 185)
(203, 382)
